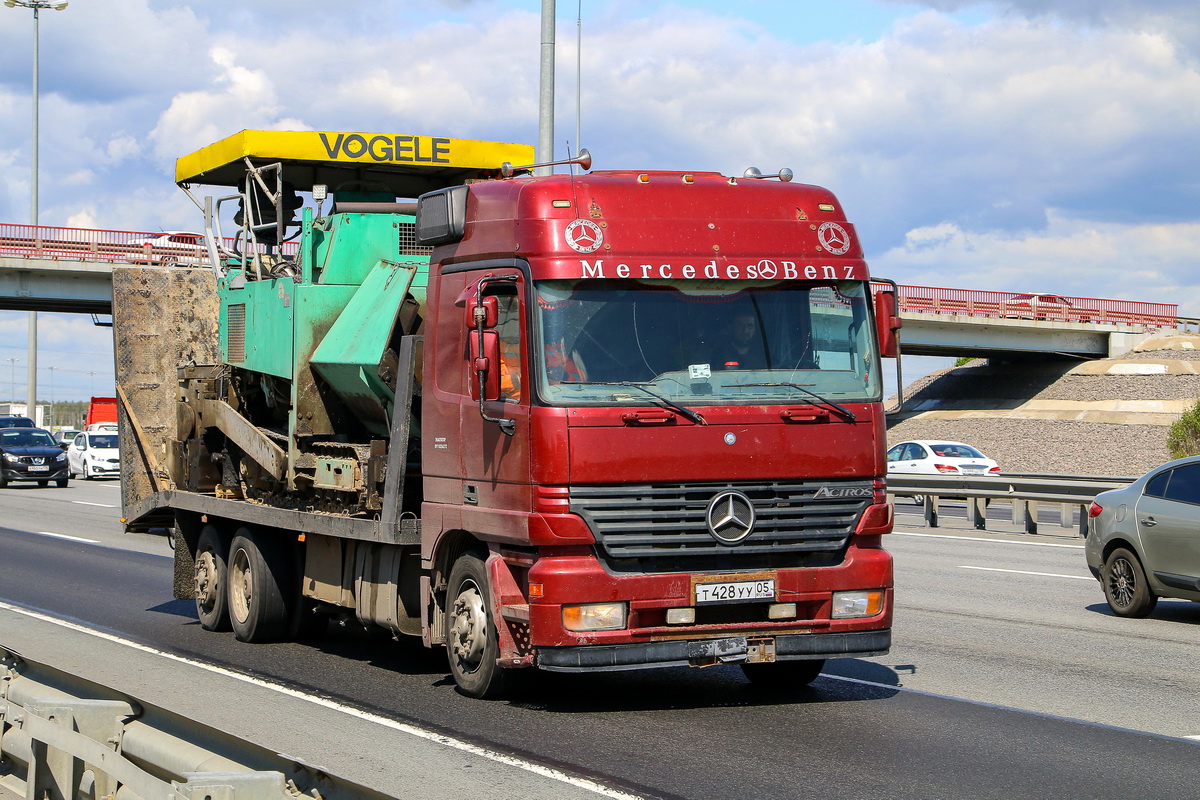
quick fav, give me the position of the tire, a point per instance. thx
(87, 472)
(43, 484)
(211, 577)
(3, 481)
(783, 674)
(472, 645)
(1125, 585)
(259, 580)
(61, 483)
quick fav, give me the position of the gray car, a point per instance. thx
(1144, 540)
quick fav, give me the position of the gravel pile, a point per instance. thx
(1047, 446)
(1159, 355)
(1122, 387)
(1065, 447)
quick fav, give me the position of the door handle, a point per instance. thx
(1149, 522)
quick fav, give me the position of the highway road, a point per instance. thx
(1008, 678)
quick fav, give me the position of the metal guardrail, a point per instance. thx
(1025, 492)
(63, 738)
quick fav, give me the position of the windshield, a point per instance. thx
(102, 440)
(955, 451)
(705, 343)
(26, 437)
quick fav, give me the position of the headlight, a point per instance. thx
(594, 617)
(61, 457)
(9, 457)
(865, 603)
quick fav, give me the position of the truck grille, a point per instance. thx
(663, 528)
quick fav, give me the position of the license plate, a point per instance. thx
(39, 469)
(735, 591)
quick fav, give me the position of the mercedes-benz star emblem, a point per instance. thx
(584, 236)
(730, 517)
(834, 238)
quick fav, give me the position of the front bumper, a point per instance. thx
(11, 474)
(730, 650)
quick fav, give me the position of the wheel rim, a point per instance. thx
(207, 581)
(1122, 582)
(468, 627)
(241, 588)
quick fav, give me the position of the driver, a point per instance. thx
(742, 347)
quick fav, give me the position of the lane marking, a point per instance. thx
(981, 539)
(1027, 572)
(413, 730)
(64, 536)
(86, 503)
(1002, 707)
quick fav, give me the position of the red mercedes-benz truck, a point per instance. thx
(604, 421)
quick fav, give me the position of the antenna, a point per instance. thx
(578, 70)
(584, 159)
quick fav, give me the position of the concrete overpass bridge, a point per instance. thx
(70, 269)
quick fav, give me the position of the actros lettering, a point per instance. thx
(766, 269)
(417, 149)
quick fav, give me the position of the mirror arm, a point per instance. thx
(507, 426)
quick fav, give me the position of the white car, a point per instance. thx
(93, 454)
(179, 247)
(939, 457)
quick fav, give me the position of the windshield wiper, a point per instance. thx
(847, 413)
(664, 402)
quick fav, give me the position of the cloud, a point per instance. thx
(1151, 262)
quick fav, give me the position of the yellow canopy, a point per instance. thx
(406, 164)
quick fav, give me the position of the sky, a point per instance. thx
(1017, 145)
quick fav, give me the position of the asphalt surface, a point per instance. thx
(1008, 678)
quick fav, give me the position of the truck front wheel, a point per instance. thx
(471, 641)
(212, 573)
(783, 674)
(258, 580)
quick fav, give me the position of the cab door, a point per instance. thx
(1168, 522)
(495, 463)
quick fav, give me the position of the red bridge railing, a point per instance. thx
(1036, 306)
(164, 247)
(87, 244)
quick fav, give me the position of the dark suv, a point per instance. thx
(30, 454)
(16, 422)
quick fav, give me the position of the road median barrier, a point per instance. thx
(64, 738)
(1026, 493)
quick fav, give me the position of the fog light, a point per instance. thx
(866, 603)
(781, 611)
(681, 616)
(594, 617)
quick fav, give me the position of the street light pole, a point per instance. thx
(36, 6)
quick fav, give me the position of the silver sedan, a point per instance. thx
(1144, 540)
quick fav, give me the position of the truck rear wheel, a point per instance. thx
(212, 575)
(471, 641)
(783, 674)
(258, 581)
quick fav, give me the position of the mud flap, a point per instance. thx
(510, 610)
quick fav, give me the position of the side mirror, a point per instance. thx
(485, 363)
(887, 321)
